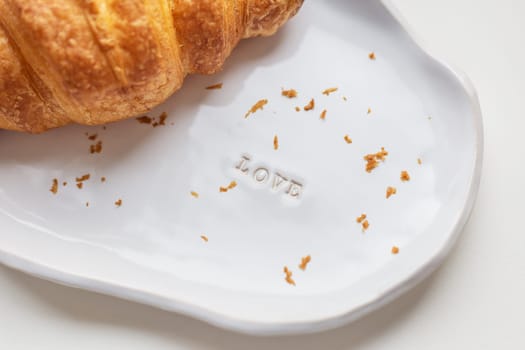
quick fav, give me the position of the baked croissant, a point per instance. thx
(98, 61)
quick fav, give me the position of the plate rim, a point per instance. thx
(257, 328)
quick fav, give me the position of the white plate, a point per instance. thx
(149, 250)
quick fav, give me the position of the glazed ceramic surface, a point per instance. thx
(300, 199)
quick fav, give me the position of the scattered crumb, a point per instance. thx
(103, 179)
(232, 185)
(395, 250)
(96, 148)
(304, 262)
(328, 91)
(80, 185)
(204, 238)
(365, 225)
(217, 86)
(323, 115)
(404, 176)
(275, 143)
(390, 191)
(429, 118)
(373, 159)
(54, 186)
(369, 111)
(172, 123)
(87, 204)
(372, 55)
(345, 99)
(289, 93)
(348, 139)
(92, 137)
(83, 178)
(297, 109)
(194, 194)
(288, 276)
(104, 127)
(360, 218)
(118, 202)
(259, 105)
(144, 120)
(162, 118)
(419, 161)
(64, 183)
(310, 105)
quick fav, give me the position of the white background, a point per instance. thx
(476, 300)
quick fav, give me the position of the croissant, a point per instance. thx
(98, 61)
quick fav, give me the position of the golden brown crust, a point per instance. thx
(96, 61)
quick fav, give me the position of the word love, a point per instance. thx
(263, 176)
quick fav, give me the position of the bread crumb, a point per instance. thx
(259, 105)
(345, 99)
(328, 91)
(54, 186)
(419, 161)
(288, 276)
(390, 191)
(369, 111)
(297, 109)
(96, 148)
(323, 115)
(162, 119)
(144, 120)
(310, 105)
(104, 127)
(289, 93)
(304, 262)
(87, 204)
(373, 159)
(404, 176)
(194, 194)
(365, 225)
(232, 185)
(275, 143)
(92, 137)
(103, 179)
(429, 118)
(348, 139)
(360, 218)
(217, 86)
(395, 250)
(204, 238)
(118, 202)
(372, 56)
(83, 178)
(80, 185)
(64, 183)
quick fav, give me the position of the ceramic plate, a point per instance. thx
(301, 199)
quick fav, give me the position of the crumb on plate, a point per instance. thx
(64, 183)
(365, 225)
(395, 250)
(118, 202)
(323, 115)
(419, 161)
(144, 120)
(297, 109)
(328, 91)
(288, 276)
(404, 176)
(275, 143)
(369, 111)
(194, 194)
(289, 93)
(373, 159)
(304, 262)
(54, 186)
(103, 179)
(93, 137)
(361, 218)
(257, 106)
(390, 191)
(310, 105)
(348, 139)
(96, 148)
(87, 204)
(204, 238)
(217, 86)
(372, 56)
(345, 99)
(232, 185)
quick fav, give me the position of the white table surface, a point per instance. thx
(476, 300)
